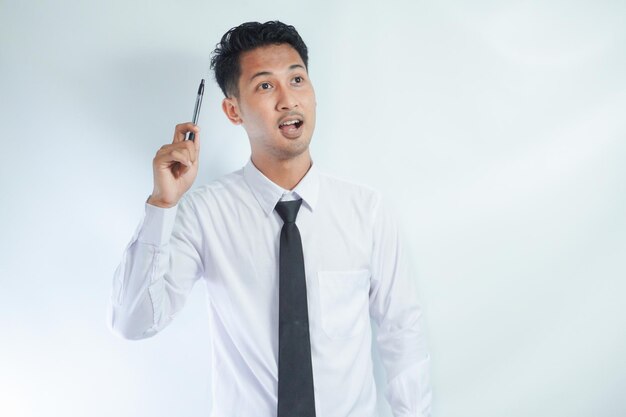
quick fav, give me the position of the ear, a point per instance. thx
(231, 110)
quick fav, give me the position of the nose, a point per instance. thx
(287, 100)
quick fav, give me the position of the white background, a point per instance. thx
(497, 129)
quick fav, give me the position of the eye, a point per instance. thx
(298, 79)
(265, 86)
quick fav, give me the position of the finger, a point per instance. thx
(196, 130)
(180, 131)
(187, 147)
(165, 157)
(182, 156)
(190, 146)
(196, 142)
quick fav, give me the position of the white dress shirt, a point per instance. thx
(226, 234)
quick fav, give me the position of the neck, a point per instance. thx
(286, 173)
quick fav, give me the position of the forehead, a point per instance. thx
(270, 58)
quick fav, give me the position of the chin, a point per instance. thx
(292, 150)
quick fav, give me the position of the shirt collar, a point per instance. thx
(268, 194)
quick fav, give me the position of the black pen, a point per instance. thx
(196, 110)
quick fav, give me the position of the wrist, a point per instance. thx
(160, 203)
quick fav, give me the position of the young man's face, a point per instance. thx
(276, 103)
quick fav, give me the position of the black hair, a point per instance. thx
(245, 37)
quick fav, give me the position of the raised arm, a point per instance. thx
(162, 261)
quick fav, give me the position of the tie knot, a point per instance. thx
(288, 210)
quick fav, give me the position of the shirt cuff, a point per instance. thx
(157, 225)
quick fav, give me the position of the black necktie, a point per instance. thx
(295, 372)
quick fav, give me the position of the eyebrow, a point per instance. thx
(264, 73)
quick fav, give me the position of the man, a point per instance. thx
(295, 262)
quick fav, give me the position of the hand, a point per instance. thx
(175, 167)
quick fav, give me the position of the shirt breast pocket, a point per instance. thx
(344, 300)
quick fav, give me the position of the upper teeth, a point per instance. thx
(291, 122)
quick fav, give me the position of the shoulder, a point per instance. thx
(223, 187)
(348, 188)
(351, 196)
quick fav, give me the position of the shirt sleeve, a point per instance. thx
(158, 269)
(394, 307)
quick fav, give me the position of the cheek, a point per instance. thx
(257, 112)
(258, 124)
(311, 100)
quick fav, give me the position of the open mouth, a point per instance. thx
(291, 127)
(296, 123)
